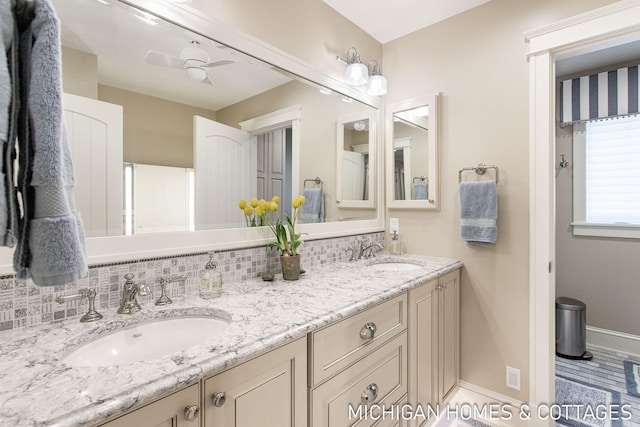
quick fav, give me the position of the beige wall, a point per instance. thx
(477, 60)
(601, 272)
(156, 131)
(308, 29)
(79, 73)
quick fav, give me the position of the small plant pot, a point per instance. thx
(290, 267)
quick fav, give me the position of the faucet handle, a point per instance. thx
(129, 278)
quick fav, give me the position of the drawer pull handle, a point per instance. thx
(370, 394)
(191, 413)
(218, 399)
(368, 331)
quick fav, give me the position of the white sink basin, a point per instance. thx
(146, 341)
(394, 266)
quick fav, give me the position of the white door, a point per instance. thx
(352, 175)
(222, 164)
(95, 138)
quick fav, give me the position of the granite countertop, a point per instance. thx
(38, 389)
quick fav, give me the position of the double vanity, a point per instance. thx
(374, 332)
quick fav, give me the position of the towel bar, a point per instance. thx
(317, 180)
(480, 170)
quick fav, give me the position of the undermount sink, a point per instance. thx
(394, 266)
(145, 341)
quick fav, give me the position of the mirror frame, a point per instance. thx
(433, 149)
(370, 203)
(102, 250)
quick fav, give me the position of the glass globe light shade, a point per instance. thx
(377, 85)
(356, 74)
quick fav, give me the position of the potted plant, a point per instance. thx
(287, 240)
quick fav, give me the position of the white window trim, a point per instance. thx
(579, 224)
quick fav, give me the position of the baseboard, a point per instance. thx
(613, 340)
(493, 397)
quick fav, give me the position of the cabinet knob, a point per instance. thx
(369, 394)
(368, 331)
(218, 399)
(191, 413)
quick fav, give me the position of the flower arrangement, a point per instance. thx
(257, 213)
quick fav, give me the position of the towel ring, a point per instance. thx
(317, 181)
(480, 170)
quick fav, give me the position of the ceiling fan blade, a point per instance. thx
(207, 80)
(163, 59)
(217, 63)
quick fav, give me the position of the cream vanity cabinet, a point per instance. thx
(357, 364)
(269, 390)
(433, 342)
(180, 409)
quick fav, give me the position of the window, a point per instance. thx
(607, 178)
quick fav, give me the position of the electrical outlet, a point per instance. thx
(513, 378)
(394, 225)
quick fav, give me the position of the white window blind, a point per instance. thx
(613, 171)
(607, 178)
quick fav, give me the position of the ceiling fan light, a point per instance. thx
(196, 74)
(377, 85)
(356, 74)
(359, 125)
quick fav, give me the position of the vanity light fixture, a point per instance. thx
(377, 82)
(356, 73)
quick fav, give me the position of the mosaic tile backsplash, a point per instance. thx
(24, 304)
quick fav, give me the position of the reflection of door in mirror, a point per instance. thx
(274, 167)
(355, 160)
(95, 139)
(411, 150)
(222, 157)
(402, 168)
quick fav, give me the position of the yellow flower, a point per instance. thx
(253, 202)
(302, 200)
(275, 199)
(248, 211)
(296, 203)
(259, 211)
(273, 206)
(263, 205)
(242, 204)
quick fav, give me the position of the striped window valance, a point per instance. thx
(599, 96)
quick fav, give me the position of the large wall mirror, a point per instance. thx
(412, 154)
(173, 119)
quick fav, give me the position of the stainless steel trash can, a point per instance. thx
(571, 329)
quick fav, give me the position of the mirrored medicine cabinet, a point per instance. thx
(412, 176)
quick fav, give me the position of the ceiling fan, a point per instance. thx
(193, 59)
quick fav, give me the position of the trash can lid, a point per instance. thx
(567, 303)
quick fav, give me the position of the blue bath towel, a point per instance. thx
(313, 209)
(420, 191)
(51, 245)
(478, 212)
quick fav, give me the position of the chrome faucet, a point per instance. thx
(367, 251)
(130, 292)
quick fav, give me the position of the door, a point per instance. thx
(352, 175)
(448, 333)
(273, 165)
(95, 138)
(222, 166)
(181, 409)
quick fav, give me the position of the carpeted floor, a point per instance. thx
(610, 380)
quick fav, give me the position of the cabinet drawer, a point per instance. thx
(338, 345)
(384, 370)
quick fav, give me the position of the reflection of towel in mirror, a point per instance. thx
(478, 212)
(420, 191)
(313, 208)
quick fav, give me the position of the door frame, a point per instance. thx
(290, 116)
(613, 24)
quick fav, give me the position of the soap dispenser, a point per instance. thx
(395, 247)
(210, 280)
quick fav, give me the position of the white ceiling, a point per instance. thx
(386, 20)
(120, 42)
